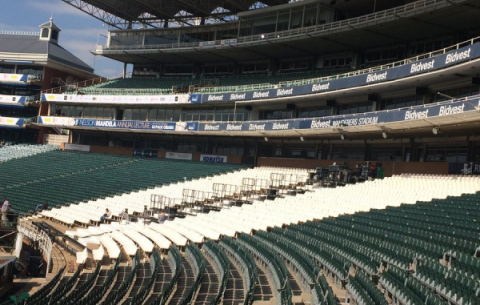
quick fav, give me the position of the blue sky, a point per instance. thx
(79, 30)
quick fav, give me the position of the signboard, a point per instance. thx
(147, 153)
(11, 122)
(12, 100)
(178, 156)
(337, 121)
(213, 158)
(421, 66)
(77, 147)
(13, 78)
(147, 125)
(118, 99)
(206, 44)
(195, 98)
(53, 120)
(228, 42)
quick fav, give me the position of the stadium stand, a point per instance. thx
(11, 151)
(140, 86)
(51, 176)
(302, 84)
(367, 242)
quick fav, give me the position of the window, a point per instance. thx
(314, 113)
(356, 108)
(275, 114)
(54, 35)
(446, 154)
(44, 33)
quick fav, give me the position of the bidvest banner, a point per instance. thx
(11, 122)
(12, 100)
(421, 66)
(360, 119)
(117, 99)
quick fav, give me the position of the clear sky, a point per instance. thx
(79, 34)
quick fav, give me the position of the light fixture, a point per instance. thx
(302, 139)
(342, 136)
(384, 134)
(435, 130)
(266, 139)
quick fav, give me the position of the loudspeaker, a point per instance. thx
(248, 107)
(291, 107)
(331, 103)
(372, 97)
(476, 80)
(421, 90)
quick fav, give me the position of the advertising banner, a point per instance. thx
(146, 153)
(53, 120)
(178, 156)
(12, 100)
(213, 158)
(77, 147)
(11, 122)
(337, 121)
(421, 66)
(147, 125)
(118, 99)
(13, 78)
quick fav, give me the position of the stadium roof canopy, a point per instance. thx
(153, 13)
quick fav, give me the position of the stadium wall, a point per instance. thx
(391, 168)
(128, 151)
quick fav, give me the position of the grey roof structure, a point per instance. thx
(26, 44)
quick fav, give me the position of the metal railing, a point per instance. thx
(75, 86)
(24, 33)
(407, 10)
(342, 75)
(241, 88)
(32, 232)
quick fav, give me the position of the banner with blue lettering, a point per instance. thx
(170, 126)
(420, 66)
(213, 158)
(146, 153)
(337, 121)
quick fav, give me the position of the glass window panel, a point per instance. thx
(127, 114)
(142, 116)
(152, 115)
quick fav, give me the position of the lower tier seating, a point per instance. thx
(362, 244)
(71, 177)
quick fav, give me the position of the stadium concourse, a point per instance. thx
(239, 235)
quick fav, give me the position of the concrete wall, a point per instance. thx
(391, 168)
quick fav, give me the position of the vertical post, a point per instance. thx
(125, 70)
(235, 112)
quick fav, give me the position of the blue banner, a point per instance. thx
(170, 126)
(337, 121)
(421, 66)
